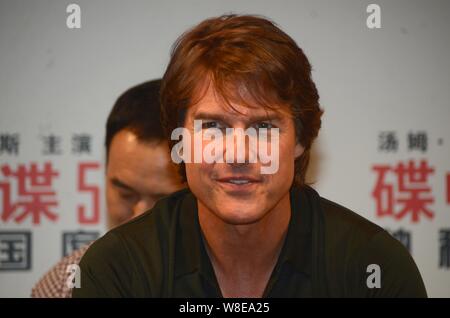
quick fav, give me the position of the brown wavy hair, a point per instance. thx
(249, 61)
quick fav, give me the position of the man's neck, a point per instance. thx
(244, 256)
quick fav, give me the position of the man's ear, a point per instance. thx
(299, 149)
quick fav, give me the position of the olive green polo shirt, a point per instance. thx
(326, 253)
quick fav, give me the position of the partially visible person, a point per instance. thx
(139, 171)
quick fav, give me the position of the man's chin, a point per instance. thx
(240, 216)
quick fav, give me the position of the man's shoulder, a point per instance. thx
(53, 283)
(352, 243)
(349, 234)
(157, 220)
(115, 264)
(146, 235)
(341, 222)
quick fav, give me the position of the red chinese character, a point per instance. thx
(413, 192)
(94, 190)
(35, 195)
(383, 193)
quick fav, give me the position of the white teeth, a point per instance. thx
(239, 181)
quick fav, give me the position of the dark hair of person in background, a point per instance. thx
(140, 116)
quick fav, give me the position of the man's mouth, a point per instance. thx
(239, 181)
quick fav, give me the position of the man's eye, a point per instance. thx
(210, 124)
(264, 125)
(131, 197)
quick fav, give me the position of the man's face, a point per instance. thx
(137, 175)
(239, 193)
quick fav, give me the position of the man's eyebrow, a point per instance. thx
(209, 116)
(118, 183)
(269, 117)
(273, 116)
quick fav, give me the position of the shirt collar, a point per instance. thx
(297, 248)
(190, 244)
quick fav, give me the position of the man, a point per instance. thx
(236, 231)
(139, 171)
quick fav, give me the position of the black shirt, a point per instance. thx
(326, 253)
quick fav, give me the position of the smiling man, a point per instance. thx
(238, 232)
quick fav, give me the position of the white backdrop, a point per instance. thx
(385, 93)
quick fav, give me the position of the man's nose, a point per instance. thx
(237, 148)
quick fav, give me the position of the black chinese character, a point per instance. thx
(387, 141)
(75, 240)
(444, 253)
(9, 143)
(15, 251)
(418, 141)
(52, 145)
(81, 143)
(403, 237)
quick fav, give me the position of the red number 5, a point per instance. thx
(83, 218)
